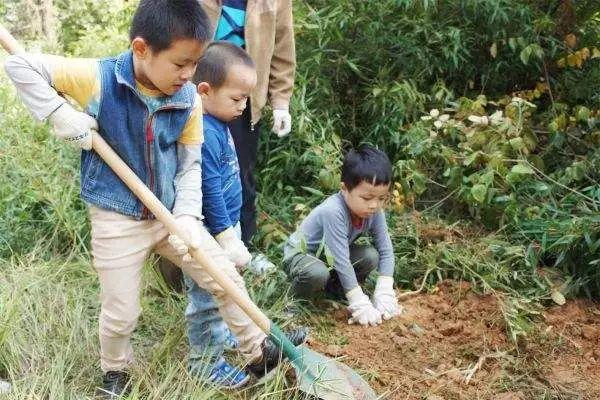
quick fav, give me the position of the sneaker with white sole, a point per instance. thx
(260, 264)
(225, 376)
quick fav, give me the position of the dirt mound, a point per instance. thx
(574, 361)
(452, 344)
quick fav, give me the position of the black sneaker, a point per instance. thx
(114, 385)
(271, 353)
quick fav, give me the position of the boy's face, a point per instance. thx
(365, 199)
(228, 101)
(169, 69)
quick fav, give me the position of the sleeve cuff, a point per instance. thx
(280, 104)
(354, 294)
(384, 282)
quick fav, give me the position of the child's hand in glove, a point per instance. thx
(190, 225)
(361, 309)
(234, 247)
(73, 126)
(385, 299)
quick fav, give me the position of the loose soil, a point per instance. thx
(452, 344)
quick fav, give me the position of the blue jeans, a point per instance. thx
(205, 327)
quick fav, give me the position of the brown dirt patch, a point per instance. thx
(428, 351)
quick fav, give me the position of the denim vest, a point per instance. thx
(145, 141)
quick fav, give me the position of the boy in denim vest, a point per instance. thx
(142, 103)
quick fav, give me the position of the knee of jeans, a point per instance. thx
(200, 303)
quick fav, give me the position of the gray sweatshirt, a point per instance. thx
(330, 224)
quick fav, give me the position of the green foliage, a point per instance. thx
(525, 151)
(93, 28)
(39, 202)
(492, 139)
(376, 65)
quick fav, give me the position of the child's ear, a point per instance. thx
(203, 88)
(139, 47)
(343, 187)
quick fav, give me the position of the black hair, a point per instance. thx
(160, 22)
(218, 57)
(366, 164)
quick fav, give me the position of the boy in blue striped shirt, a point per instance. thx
(226, 76)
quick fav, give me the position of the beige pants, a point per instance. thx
(120, 245)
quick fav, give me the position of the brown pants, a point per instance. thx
(120, 245)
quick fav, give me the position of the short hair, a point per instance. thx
(366, 164)
(216, 61)
(161, 22)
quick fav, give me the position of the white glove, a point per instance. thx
(234, 247)
(73, 126)
(361, 308)
(384, 298)
(190, 225)
(260, 264)
(282, 122)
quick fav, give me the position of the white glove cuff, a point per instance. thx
(226, 236)
(355, 295)
(385, 283)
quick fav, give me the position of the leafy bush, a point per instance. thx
(520, 158)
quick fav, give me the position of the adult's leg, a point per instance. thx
(246, 146)
(308, 274)
(171, 273)
(120, 245)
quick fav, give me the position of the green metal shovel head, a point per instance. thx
(329, 379)
(323, 377)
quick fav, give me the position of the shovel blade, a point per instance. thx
(328, 379)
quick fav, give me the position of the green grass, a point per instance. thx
(49, 344)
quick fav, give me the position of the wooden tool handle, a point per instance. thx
(161, 213)
(9, 43)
